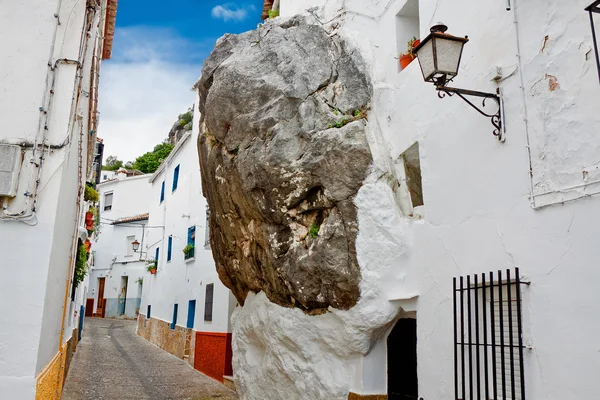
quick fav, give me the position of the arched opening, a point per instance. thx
(402, 361)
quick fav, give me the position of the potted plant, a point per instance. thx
(152, 267)
(409, 56)
(189, 251)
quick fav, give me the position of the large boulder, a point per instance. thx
(283, 153)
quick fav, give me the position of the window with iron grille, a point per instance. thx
(208, 302)
(207, 229)
(488, 337)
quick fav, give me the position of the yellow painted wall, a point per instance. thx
(51, 380)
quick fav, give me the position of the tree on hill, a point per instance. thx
(112, 164)
(149, 162)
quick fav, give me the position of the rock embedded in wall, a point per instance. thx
(283, 154)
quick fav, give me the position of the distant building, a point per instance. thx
(120, 173)
(116, 278)
(185, 308)
(51, 57)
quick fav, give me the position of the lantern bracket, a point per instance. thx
(496, 118)
(591, 9)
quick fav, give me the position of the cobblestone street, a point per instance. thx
(112, 362)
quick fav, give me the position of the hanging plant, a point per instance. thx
(90, 194)
(152, 266)
(80, 263)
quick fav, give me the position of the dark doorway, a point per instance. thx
(402, 361)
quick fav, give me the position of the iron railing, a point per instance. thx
(488, 351)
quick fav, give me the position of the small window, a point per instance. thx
(191, 241)
(207, 229)
(162, 192)
(191, 314)
(175, 307)
(208, 302)
(488, 337)
(129, 246)
(169, 248)
(412, 167)
(407, 26)
(105, 177)
(156, 256)
(148, 314)
(108, 200)
(175, 178)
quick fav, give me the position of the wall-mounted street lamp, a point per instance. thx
(136, 245)
(594, 8)
(439, 55)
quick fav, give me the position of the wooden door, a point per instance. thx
(100, 308)
(89, 307)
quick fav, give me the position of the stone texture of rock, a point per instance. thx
(283, 154)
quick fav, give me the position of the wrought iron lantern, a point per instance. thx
(439, 56)
(594, 8)
(136, 245)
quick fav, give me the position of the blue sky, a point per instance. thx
(158, 52)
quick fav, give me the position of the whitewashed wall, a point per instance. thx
(483, 209)
(179, 281)
(36, 252)
(131, 197)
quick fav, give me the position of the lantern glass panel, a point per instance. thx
(426, 60)
(448, 55)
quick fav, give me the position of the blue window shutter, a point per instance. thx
(175, 178)
(175, 307)
(191, 314)
(169, 248)
(156, 257)
(162, 192)
(192, 235)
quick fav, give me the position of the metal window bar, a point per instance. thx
(488, 337)
(591, 9)
(207, 229)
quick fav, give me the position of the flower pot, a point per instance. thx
(405, 60)
(416, 43)
(152, 271)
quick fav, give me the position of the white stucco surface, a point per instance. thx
(488, 206)
(39, 227)
(178, 281)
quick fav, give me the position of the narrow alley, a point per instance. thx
(112, 362)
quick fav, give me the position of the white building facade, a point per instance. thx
(185, 308)
(527, 206)
(117, 275)
(52, 51)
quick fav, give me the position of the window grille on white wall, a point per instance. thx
(488, 336)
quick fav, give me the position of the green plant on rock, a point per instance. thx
(185, 118)
(273, 14)
(90, 194)
(313, 231)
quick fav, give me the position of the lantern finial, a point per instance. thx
(439, 27)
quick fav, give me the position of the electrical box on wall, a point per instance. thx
(10, 165)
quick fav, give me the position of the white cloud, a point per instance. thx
(229, 12)
(143, 89)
